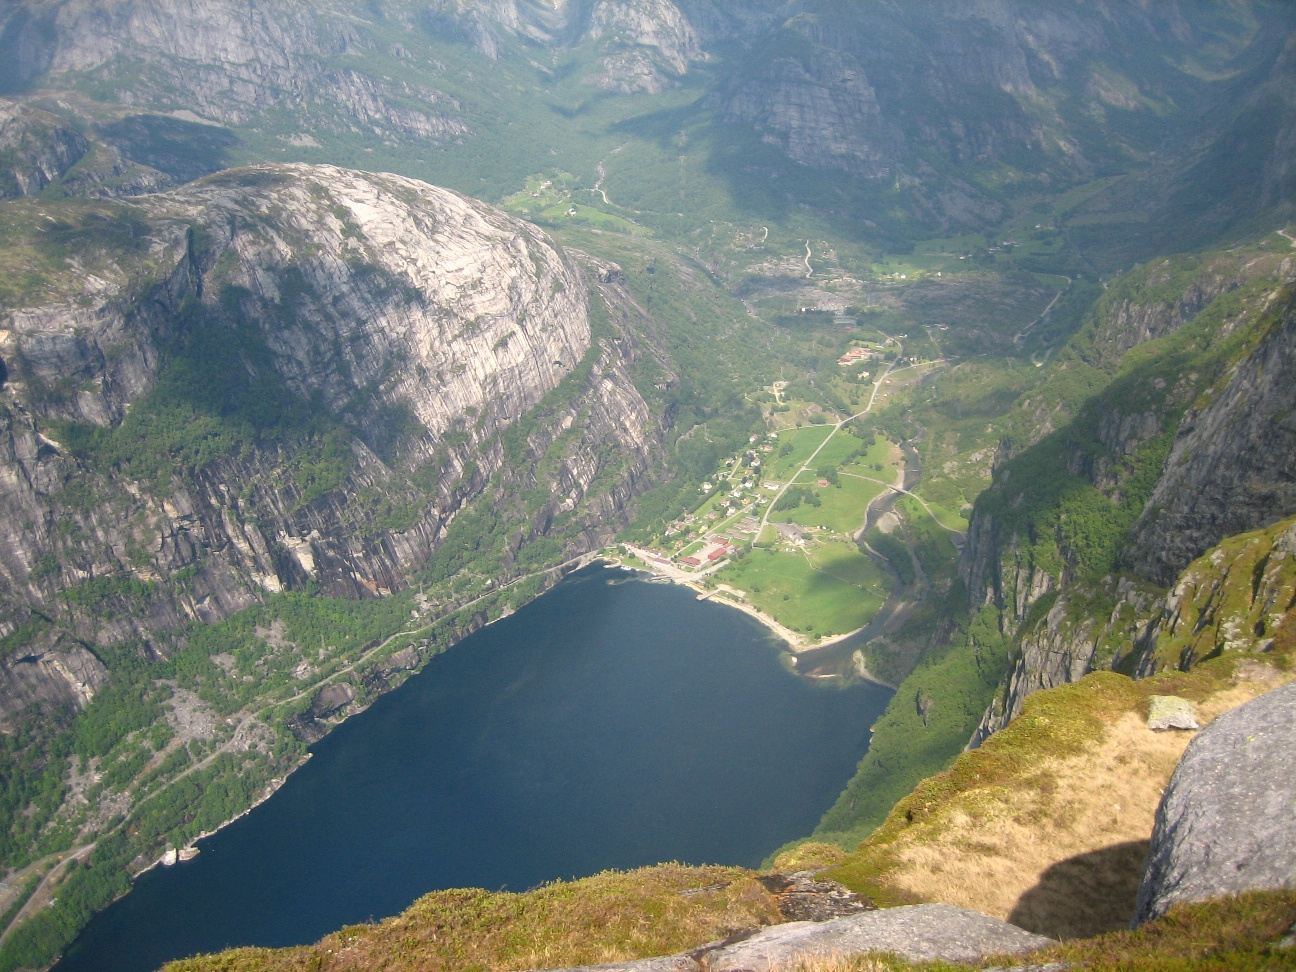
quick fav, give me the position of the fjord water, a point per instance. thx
(611, 723)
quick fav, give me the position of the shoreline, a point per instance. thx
(562, 570)
(794, 644)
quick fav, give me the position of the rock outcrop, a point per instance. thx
(1085, 629)
(65, 676)
(648, 44)
(421, 323)
(1233, 464)
(1235, 599)
(1225, 824)
(919, 933)
(36, 148)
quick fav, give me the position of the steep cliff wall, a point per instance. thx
(1233, 464)
(421, 325)
(227, 60)
(1106, 432)
(1083, 530)
(894, 92)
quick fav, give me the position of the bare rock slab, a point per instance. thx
(1170, 712)
(669, 963)
(1227, 821)
(917, 932)
(803, 897)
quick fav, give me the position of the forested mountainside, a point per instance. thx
(1078, 552)
(281, 420)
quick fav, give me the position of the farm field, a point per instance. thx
(830, 590)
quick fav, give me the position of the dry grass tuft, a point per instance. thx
(611, 917)
(1047, 824)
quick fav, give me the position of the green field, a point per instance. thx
(843, 506)
(779, 466)
(834, 590)
(946, 517)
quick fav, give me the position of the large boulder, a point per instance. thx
(1227, 821)
(920, 933)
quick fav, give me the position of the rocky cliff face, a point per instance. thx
(1166, 294)
(422, 323)
(1084, 629)
(227, 61)
(859, 87)
(648, 43)
(644, 45)
(1226, 473)
(1233, 464)
(36, 148)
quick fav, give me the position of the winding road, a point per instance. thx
(1017, 338)
(898, 489)
(891, 370)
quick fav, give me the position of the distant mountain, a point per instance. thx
(942, 117)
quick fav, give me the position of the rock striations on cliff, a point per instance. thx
(1232, 467)
(421, 324)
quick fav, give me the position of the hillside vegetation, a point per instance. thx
(610, 917)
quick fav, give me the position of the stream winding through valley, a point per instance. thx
(612, 723)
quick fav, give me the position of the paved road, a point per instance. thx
(1031, 326)
(891, 370)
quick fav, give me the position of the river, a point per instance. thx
(611, 723)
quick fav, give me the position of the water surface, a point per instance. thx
(611, 723)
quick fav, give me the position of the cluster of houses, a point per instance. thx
(717, 548)
(855, 355)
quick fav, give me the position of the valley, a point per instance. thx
(944, 344)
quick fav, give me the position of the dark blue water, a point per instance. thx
(611, 723)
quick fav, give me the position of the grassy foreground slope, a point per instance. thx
(610, 917)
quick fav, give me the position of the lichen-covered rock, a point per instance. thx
(1230, 601)
(1227, 821)
(1170, 712)
(803, 897)
(920, 933)
(671, 963)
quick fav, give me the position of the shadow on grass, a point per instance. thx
(1086, 895)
